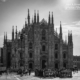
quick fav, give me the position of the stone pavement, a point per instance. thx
(76, 76)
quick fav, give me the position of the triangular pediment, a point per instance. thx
(44, 21)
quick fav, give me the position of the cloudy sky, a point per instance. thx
(14, 12)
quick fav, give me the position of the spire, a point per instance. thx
(16, 32)
(37, 16)
(49, 18)
(52, 19)
(60, 30)
(70, 40)
(12, 33)
(25, 22)
(71, 37)
(16, 29)
(71, 34)
(28, 18)
(4, 37)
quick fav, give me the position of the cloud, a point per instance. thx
(74, 27)
(76, 23)
(3, 0)
(64, 23)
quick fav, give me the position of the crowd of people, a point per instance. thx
(21, 72)
(55, 73)
(43, 72)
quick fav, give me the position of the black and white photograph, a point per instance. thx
(39, 39)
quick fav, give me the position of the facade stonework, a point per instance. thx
(76, 61)
(38, 45)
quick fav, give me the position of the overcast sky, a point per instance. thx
(14, 12)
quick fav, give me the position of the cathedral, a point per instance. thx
(38, 46)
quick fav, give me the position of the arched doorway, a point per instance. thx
(44, 64)
(56, 66)
(64, 65)
(30, 65)
(8, 60)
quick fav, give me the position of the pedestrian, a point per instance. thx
(29, 71)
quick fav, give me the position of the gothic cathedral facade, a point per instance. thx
(38, 45)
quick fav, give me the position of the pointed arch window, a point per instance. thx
(30, 55)
(43, 35)
(56, 65)
(56, 55)
(21, 55)
(43, 48)
(30, 45)
(64, 55)
(56, 46)
(64, 65)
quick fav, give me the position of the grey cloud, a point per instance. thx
(3, 0)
